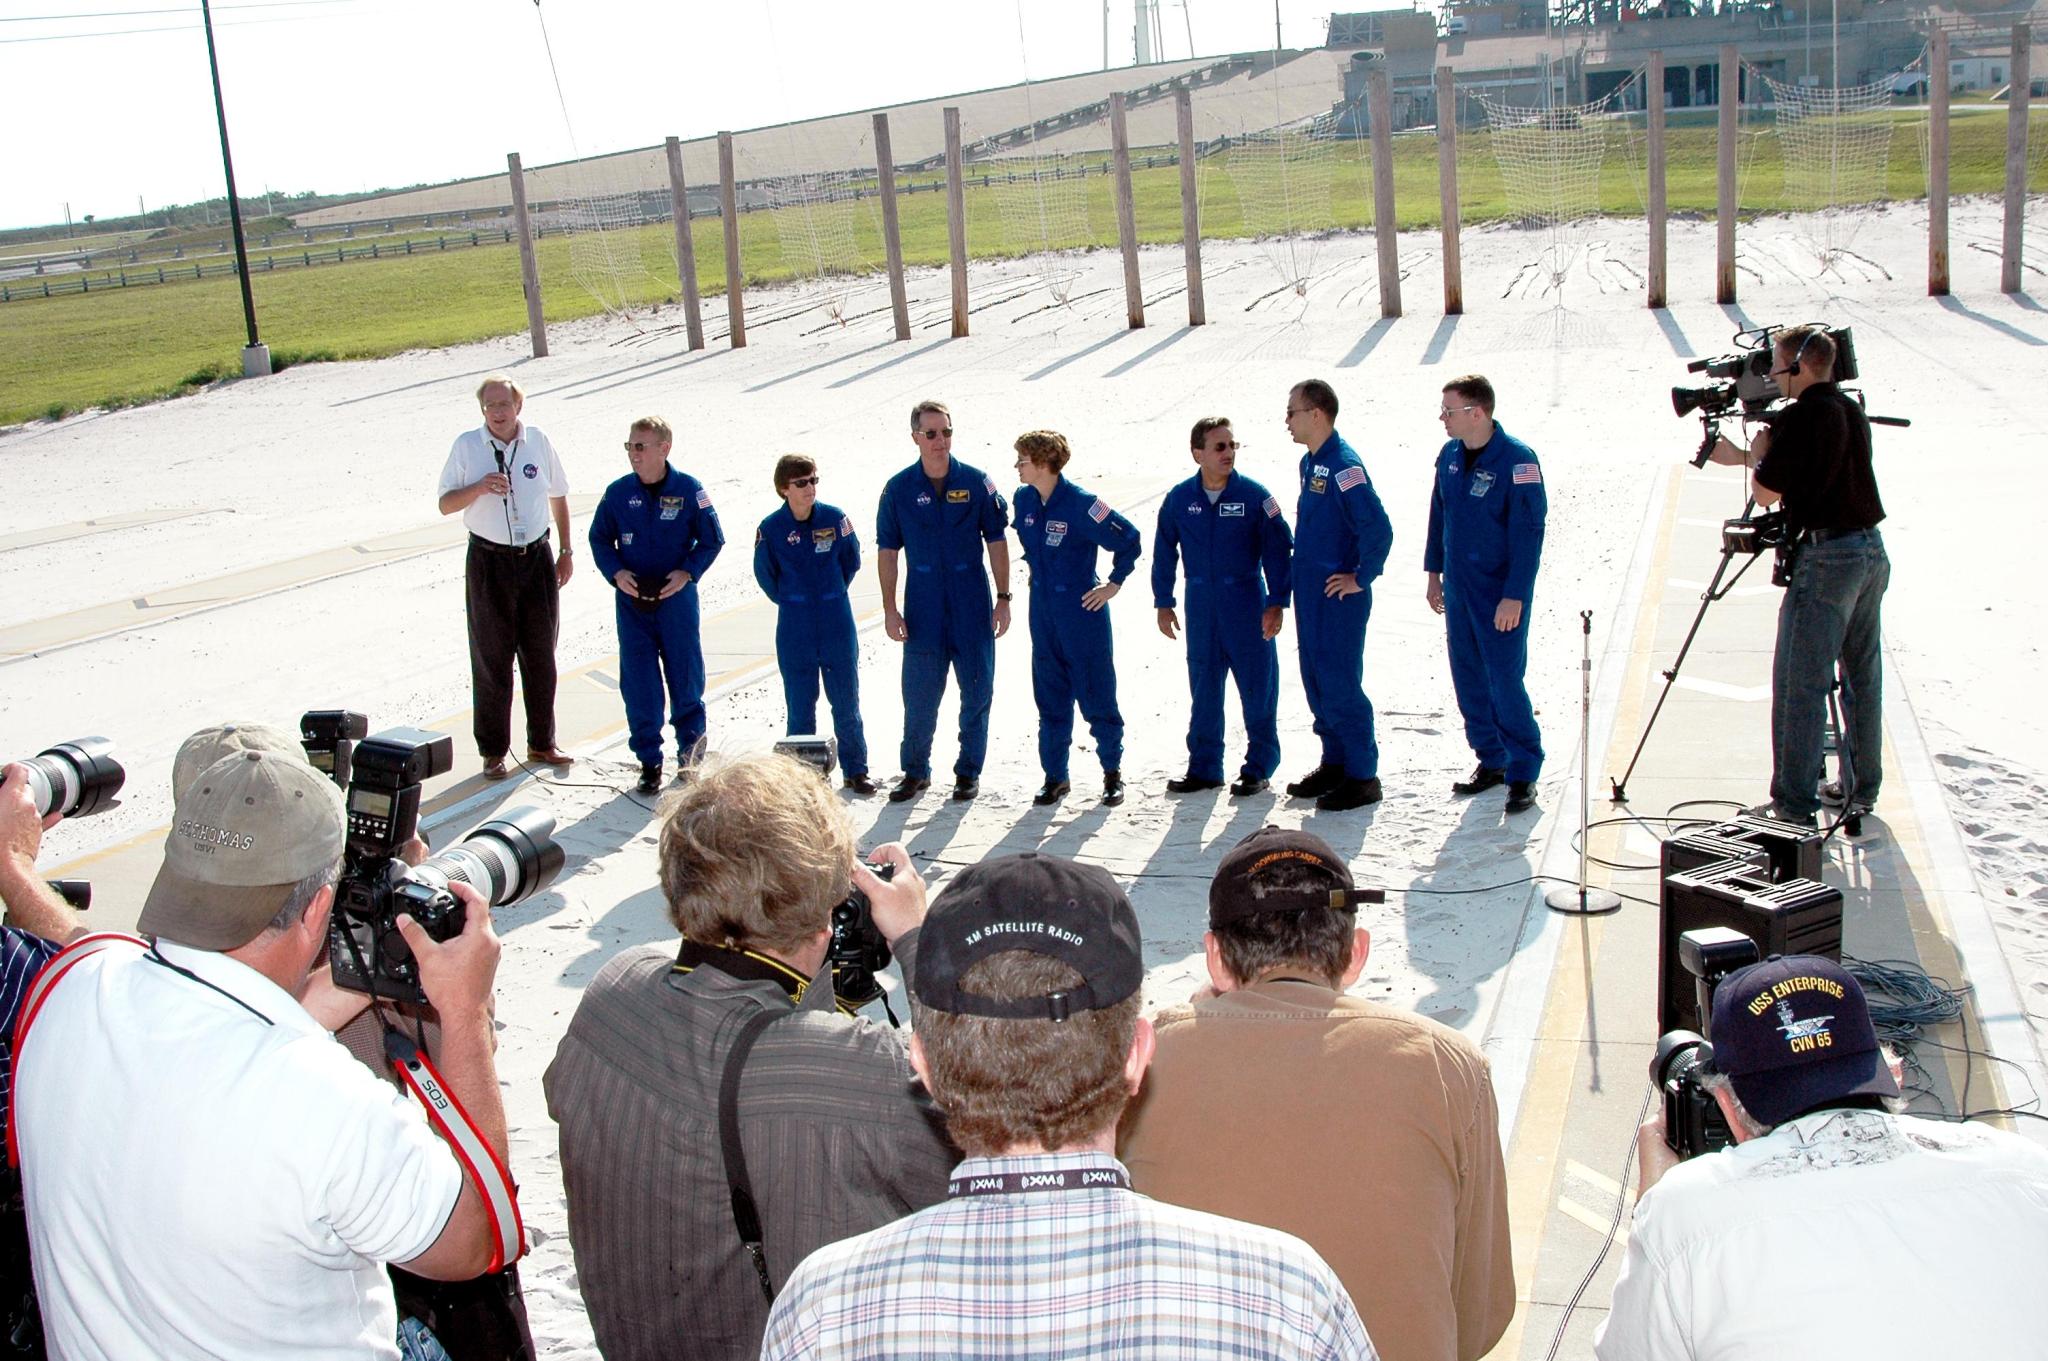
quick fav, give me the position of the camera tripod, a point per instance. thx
(1715, 590)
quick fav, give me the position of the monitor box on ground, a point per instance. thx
(1794, 917)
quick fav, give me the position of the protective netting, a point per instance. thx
(1550, 159)
(1835, 145)
(607, 225)
(1043, 202)
(828, 225)
(1284, 180)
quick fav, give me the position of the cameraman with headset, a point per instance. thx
(1814, 455)
(833, 1136)
(1830, 1210)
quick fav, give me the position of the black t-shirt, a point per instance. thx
(1819, 461)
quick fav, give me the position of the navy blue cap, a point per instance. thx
(1794, 1033)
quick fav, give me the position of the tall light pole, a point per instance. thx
(255, 355)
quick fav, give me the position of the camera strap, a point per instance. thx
(479, 1160)
(746, 1217)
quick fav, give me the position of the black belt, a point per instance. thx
(492, 546)
(1824, 535)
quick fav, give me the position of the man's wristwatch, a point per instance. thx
(1002, 595)
(566, 551)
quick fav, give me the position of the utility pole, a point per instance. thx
(255, 355)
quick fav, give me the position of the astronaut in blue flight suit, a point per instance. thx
(940, 513)
(1060, 527)
(1486, 511)
(655, 533)
(1227, 527)
(1341, 540)
(805, 556)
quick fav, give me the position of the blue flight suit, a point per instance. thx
(651, 532)
(946, 604)
(1226, 543)
(1071, 660)
(1339, 526)
(1486, 511)
(805, 566)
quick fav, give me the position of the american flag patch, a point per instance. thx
(845, 527)
(1347, 478)
(1272, 509)
(703, 499)
(1527, 472)
(990, 483)
(1099, 511)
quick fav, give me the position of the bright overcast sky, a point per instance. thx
(107, 100)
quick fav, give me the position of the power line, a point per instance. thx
(124, 32)
(176, 9)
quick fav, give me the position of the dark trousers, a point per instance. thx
(1830, 614)
(514, 611)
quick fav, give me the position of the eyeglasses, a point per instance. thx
(946, 433)
(1232, 445)
(1445, 413)
(640, 446)
(1294, 411)
(810, 481)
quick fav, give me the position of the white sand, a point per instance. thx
(334, 454)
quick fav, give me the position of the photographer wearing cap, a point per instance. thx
(1815, 457)
(1261, 1088)
(207, 1173)
(1025, 995)
(1788, 1240)
(834, 1136)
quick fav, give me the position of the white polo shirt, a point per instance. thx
(209, 1174)
(536, 474)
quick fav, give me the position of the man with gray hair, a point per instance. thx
(506, 480)
(255, 1179)
(1790, 1239)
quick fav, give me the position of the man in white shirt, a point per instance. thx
(1832, 1227)
(208, 1174)
(507, 481)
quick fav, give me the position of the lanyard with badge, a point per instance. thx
(515, 526)
(479, 1160)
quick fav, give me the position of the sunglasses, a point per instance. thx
(1233, 446)
(946, 433)
(1446, 412)
(640, 446)
(810, 481)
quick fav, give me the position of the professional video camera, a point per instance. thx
(507, 860)
(1693, 1123)
(1748, 380)
(856, 950)
(75, 779)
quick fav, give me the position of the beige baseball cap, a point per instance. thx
(208, 745)
(250, 826)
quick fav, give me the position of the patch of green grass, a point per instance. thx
(117, 346)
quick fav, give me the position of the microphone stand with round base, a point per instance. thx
(1577, 900)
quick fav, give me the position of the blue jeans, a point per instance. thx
(1829, 615)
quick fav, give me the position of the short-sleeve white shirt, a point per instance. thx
(209, 1174)
(536, 473)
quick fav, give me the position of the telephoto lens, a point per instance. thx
(75, 778)
(507, 859)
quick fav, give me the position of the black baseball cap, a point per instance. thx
(1237, 892)
(1040, 903)
(1794, 1033)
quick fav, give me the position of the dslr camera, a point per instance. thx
(507, 860)
(74, 779)
(1693, 1123)
(856, 950)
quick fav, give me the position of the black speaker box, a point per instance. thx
(1793, 917)
(1793, 849)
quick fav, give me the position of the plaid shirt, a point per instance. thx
(1098, 1273)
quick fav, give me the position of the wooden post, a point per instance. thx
(956, 222)
(1381, 111)
(892, 239)
(1660, 270)
(2016, 103)
(1190, 214)
(1937, 163)
(686, 246)
(1126, 212)
(529, 263)
(1447, 186)
(1730, 94)
(729, 214)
